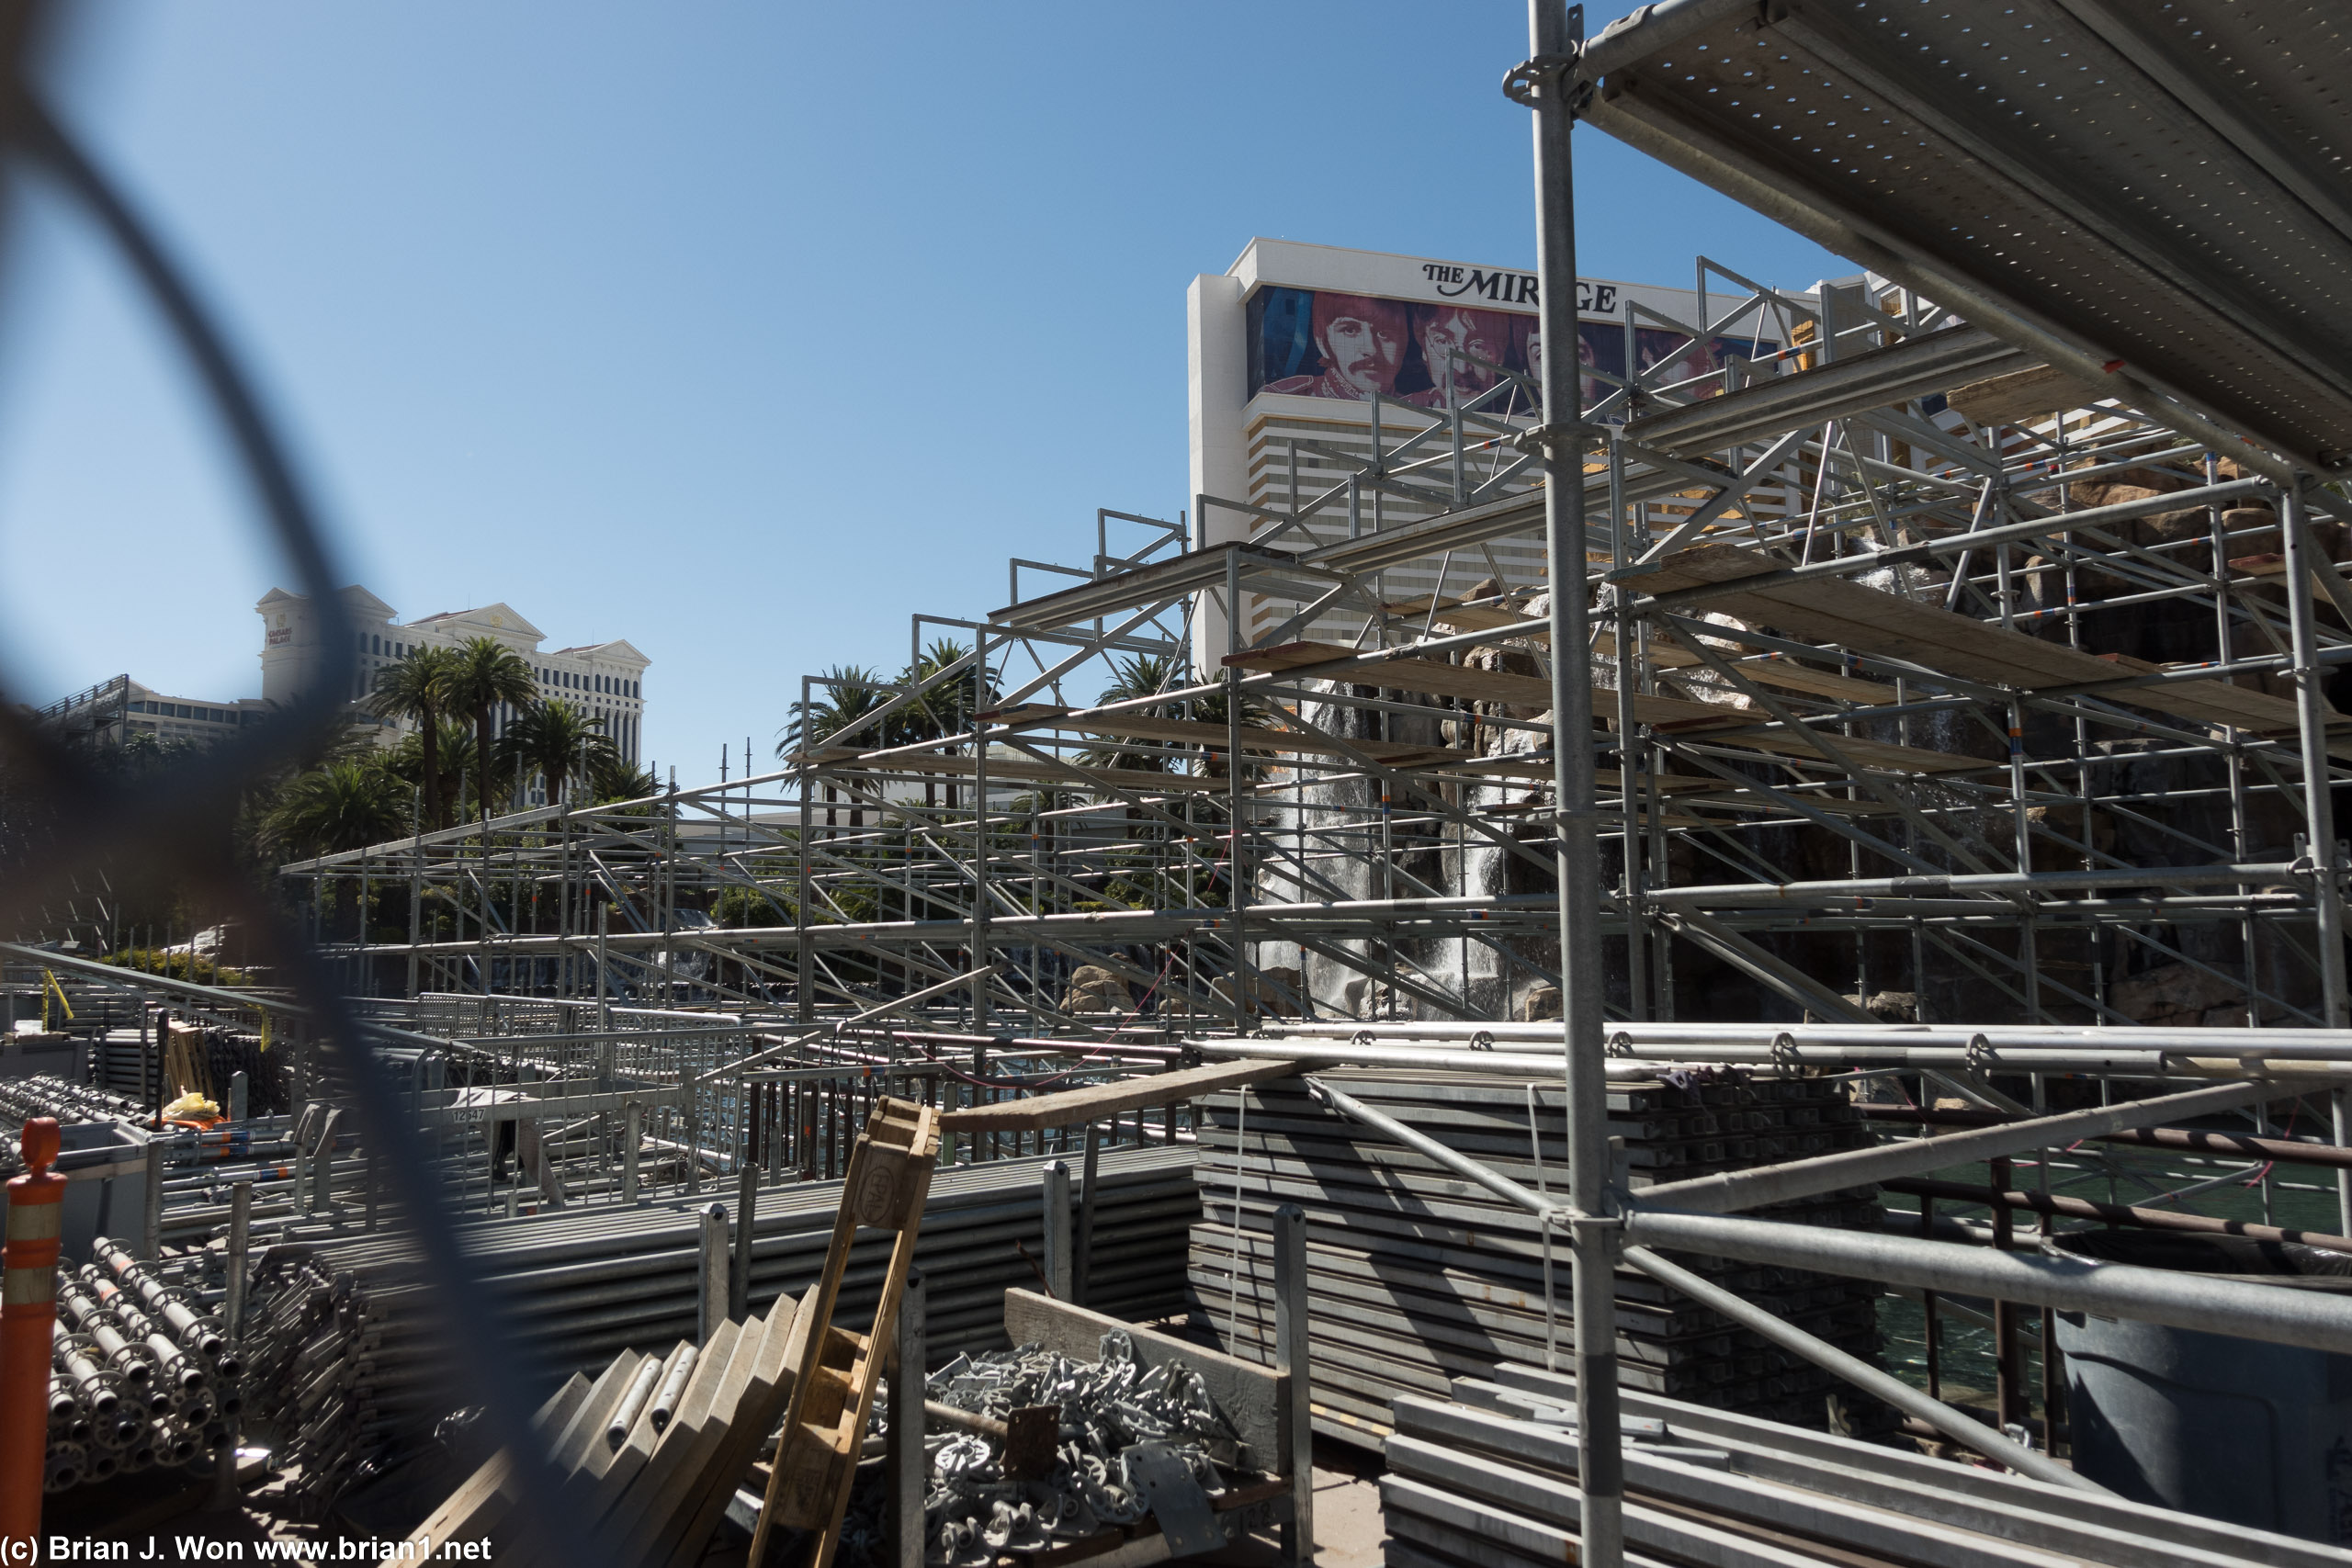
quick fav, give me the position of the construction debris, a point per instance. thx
(1117, 1423)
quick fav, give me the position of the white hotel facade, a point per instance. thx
(606, 679)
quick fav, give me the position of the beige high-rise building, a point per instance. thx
(605, 678)
(1311, 364)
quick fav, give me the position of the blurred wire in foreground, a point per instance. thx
(68, 816)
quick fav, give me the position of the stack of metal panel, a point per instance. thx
(1486, 1479)
(123, 1061)
(363, 1344)
(1419, 1275)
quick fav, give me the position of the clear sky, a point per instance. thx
(738, 330)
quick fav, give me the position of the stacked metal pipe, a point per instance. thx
(308, 1351)
(42, 1094)
(348, 1351)
(1484, 1472)
(45, 1094)
(125, 1062)
(140, 1374)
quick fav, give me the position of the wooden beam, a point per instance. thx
(1098, 1103)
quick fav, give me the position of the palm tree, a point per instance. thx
(417, 689)
(344, 803)
(487, 674)
(452, 743)
(844, 695)
(555, 738)
(1211, 709)
(946, 709)
(612, 777)
(1142, 675)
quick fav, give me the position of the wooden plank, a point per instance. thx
(579, 1444)
(1764, 669)
(683, 1497)
(2038, 391)
(1484, 618)
(484, 1499)
(568, 1441)
(756, 1415)
(2209, 702)
(1290, 655)
(1834, 610)
(1772, 670)
(596, 1485)
(641, 1511)
(1469, 684)
(1608, 781)
(1458, 616)
(607, 1477)
(1251, 1396)
(1097, 1102)
(1880, 755)
(874, 1352)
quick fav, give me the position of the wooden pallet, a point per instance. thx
(824, 1426)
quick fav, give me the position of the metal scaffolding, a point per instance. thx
(1945, 700)
(1838, 627)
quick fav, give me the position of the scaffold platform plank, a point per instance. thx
(1834, 610)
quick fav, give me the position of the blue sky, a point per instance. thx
(738, 330)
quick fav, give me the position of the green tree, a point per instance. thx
(452, 746)
(1140, 675)
(846, 693)
(488, 672)
(948, 708)
(1211, 709)
(344, 803)
(556, 738)
(611, 778)
(420, 690)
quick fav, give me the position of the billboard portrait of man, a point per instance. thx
(1359, 347)
(1441, 332)
(1668, 358)
(1686, 359)
(1601, 351)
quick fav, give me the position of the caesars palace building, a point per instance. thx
(1304, 357)
(605, 679)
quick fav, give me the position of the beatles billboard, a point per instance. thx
(1319, 344)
